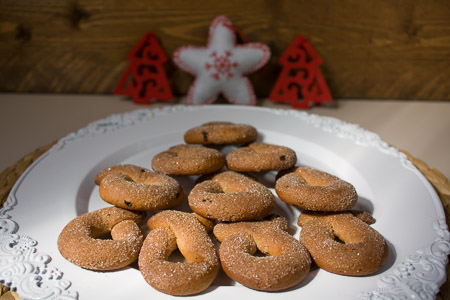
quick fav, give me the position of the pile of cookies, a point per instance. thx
(229, 206)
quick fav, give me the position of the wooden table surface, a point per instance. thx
(28, 121)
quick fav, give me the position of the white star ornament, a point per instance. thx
(222, 66)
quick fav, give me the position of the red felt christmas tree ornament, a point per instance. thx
(300, 82)
(145, 78)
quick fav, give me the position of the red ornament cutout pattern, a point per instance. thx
(222, 65)
(300, 81)
(145, 78)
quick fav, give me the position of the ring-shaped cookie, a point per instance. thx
(312, 189)
(221, 133)
(231, 196)
(185, 160)
(358, 250)
(170, 230)
(136, 188)
(259, 157)
(287, 262)
(80, 241)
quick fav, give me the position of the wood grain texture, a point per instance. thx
(385, 49)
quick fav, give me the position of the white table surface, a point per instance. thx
(29, 121)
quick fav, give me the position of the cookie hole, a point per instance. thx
(221, 192)
(218, 190)
(105, 236)
(176, 257)
(173, 153)
(128, 178)
(337, 239)
(258, 253)
(313, 181)
(205, 136)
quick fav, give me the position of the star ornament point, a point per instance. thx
(221, 67)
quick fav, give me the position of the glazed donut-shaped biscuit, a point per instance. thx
(207, 223)
(188, 160)
(259, 157)
(311, 189)
(220, 133)
(231, 196)
(363, 250)
(80, 244)
(310, 215)
(287, 262)
(170, 230)
(136, 188)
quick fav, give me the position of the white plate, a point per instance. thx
(59, 186)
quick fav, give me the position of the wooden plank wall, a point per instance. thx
(375, 49)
